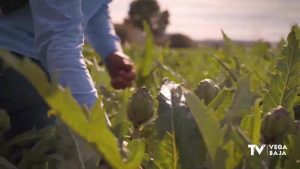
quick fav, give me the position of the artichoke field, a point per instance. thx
(188, 109)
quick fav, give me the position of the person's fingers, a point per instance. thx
(120, 83)
(128, 76)
(126, 64)
(117, 84)
(121, 69)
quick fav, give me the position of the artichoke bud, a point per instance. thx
(141, 107)
(275, 125)
(4, 121)
(207, 90)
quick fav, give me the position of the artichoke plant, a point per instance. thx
(207, 90)
(275, 125)
(141, 107)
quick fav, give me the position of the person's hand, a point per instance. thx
(121, 70)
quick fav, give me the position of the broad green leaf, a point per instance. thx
(256, 123)
(222, 155)
(243, 99)
(166, 155)
(207, 123)
(148, 61)
(284, 86)
(175, 117)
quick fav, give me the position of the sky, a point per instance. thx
(240, 19)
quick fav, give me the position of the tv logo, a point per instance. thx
(258, 149)
(271, 149)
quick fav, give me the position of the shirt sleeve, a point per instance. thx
(59, 39)
(100, 33)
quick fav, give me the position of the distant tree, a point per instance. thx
(131, 31)
(149, 11)
(162, 23)
(180, 41)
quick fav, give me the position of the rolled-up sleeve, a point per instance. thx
(59, 38)
(100, 33)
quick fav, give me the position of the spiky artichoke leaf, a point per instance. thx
(284, 86)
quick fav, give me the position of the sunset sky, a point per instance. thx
(240, 19)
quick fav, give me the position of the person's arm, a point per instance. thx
(59, 39)
(101, 34)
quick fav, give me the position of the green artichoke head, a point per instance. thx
(275, 125)
(207, 90)
(141, 107)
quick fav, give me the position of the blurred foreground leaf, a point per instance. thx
(90, 126)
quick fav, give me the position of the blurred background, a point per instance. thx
(203, 20)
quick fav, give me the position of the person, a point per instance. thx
(52, 34)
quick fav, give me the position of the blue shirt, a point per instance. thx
(53, 31)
